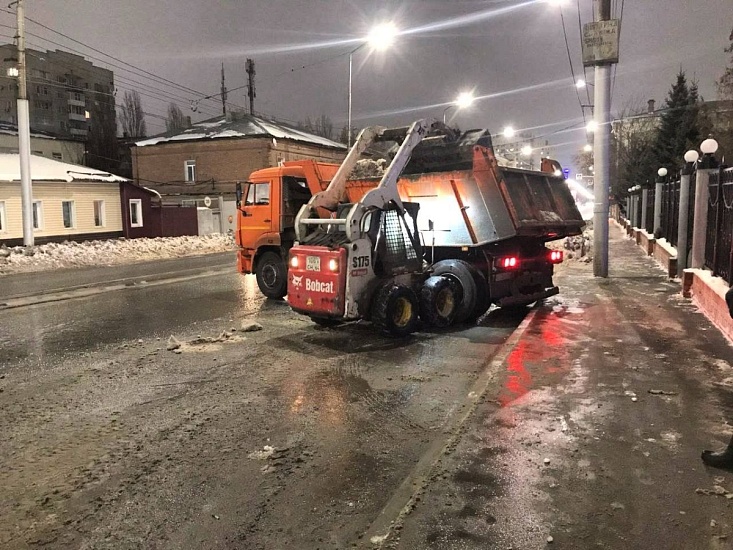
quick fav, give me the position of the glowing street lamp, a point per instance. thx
(592, 126)
(380, 38)
(509, 132)
(527, 150)
(588, 148)
(464, 100)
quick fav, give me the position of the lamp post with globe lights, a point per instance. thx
(658, 190)
(380, 38)
(691, 158)
(706, 165)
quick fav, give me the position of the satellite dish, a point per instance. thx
(207, 201)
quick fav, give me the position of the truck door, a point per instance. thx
(258, 208)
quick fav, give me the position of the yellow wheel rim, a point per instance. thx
(444, 302)
(402, 312)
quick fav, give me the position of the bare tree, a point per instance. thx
(175, 121)
(132, 117)
(324, 127)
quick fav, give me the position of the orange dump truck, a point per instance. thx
(477, 219)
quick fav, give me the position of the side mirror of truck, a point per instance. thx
(239, 194)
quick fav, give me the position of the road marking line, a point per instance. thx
(403, 500)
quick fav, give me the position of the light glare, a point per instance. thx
(382, 36)
(580, 83)
(527, 150)
(588, 148)
(464, 99)
(509, 132)
(592, 126)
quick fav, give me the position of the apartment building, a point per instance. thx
(64, 91)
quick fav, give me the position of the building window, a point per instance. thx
(136, 213)
(99, 214)
(3, 223)
(191, 170)
(57, 156)
(37, 215)
(67, 209)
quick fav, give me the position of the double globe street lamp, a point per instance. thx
(463, 101)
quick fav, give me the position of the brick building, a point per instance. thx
(210, 157)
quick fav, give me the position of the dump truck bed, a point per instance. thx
(486, 203)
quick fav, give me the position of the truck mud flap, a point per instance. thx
(524, 299)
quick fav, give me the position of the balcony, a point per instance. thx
(78, 132)
(77, 102)
(74, 116)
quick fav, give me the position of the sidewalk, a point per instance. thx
(590, 436)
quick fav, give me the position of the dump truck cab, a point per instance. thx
(267, 206)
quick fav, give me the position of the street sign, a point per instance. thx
(207, 201)
(600, 42)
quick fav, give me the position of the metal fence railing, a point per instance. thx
(649, 226)
(670, 211)
(719, 237)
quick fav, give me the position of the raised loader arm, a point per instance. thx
(385, 192)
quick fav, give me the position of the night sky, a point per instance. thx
(510, 51)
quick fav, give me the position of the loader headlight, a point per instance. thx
(294, 262)
(333, 265)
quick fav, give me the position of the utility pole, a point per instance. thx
(24, 134)
(600, 50)
(251, 92)
(223, 92)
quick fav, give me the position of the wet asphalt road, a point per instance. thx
(292, 435)
(576, 426)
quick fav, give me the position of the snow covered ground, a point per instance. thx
(108, 252)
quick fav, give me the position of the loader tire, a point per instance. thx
(466, 276)
(440, 298)
(395, 310)
(272, 275)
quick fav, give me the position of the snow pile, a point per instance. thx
(108, 252)
(578, 248)
(368, 168)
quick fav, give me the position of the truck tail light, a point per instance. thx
(508, 262)
(333, 265)
(556, 256)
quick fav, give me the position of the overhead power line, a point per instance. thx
(148, 74)
(570, 62)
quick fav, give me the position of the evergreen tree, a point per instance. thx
(679, 128)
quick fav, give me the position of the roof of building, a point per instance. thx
(241, 126)
(46, 169)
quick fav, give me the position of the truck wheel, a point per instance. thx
(395, 310)
(483, 298)
(462, 273)
(440, 298)
(272, 275)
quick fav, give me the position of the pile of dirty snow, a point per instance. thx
(578, 248)
(368, 168)
(20, 259)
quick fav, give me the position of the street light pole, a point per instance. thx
(24, 134)
(601, 154)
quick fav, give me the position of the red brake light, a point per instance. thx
(508, 262)
(556, 256)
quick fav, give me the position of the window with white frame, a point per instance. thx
(37, 215)
(67, 211)
(191, 170)
(99, 214)
(136, 213)
(3, 222)
(57, 156)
